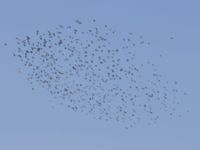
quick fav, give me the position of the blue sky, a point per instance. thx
(27, 120)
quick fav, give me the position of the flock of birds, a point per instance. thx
(93, 70)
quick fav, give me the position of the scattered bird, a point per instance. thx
(86, 71)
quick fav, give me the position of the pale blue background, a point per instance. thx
(27, 121)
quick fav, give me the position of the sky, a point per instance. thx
(27, 119)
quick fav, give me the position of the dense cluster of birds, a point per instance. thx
(94, 70)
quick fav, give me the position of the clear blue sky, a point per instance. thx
(27, 121)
